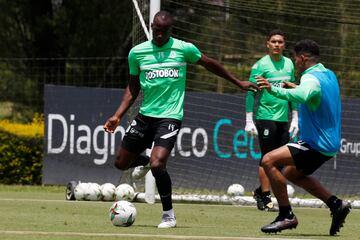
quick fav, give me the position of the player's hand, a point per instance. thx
(263, 83)
(250, 126)
(293, 130)
(294, 125)
(248, 86)
(289, 85)
(111, 124)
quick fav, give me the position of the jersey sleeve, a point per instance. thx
(256, 70)
(250, 101)
(308, 88)
(292, 79)
(133, 63)
(192, 53)
(294, 106)
(250, 96)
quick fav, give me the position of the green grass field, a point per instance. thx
(42, 213)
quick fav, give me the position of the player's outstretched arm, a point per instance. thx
(289, 85)
(300, 94)
(131, 93)
(215, 67)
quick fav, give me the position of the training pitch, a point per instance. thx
(43, 213)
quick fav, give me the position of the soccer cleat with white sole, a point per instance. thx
(338, 217)
(280, 224)
(140, 171)
(167, 222)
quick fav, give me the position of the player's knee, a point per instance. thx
(157, 167)
(119, 164)
(266, 162)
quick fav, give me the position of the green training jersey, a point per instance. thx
(270, 107)
(162, 73)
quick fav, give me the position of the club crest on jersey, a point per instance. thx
(162, 73)
(172, 54)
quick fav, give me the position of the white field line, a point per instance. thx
(109, 202)
(163, 236)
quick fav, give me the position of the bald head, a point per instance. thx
(161, 28)
(163, 17)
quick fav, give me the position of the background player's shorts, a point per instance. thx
(307, 160)
(272, 135)
(144, 130)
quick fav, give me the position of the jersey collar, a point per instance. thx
(169, 43)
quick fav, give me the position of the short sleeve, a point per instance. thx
(192, 53)
(133, 63)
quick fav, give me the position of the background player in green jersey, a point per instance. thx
(158, 68)
(272, 113)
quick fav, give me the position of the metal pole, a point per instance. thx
(154, 8)
(150, 183)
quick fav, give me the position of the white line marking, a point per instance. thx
(134, 235)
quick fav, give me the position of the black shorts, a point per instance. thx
(144, 130)
(272, 135)
(307, 160)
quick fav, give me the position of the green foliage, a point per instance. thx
(16, 112)
(38, 38)
(20, 159)
(350, 79)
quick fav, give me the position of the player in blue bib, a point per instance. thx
(320, 132)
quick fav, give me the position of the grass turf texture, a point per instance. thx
(42, 213)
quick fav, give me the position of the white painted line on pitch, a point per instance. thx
(83, 201)
(48, 200)
(101, 202)
(136, 235)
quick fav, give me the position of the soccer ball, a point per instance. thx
(122, 214)
(93, 192)
(80, 191)
(290, 190)
(235, 190)
(108, 192)
(124, 192)
(87, 191)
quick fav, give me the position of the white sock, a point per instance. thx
(170, 213)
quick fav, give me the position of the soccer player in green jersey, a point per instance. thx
(158, 68)
(320, 132)
(272, 113)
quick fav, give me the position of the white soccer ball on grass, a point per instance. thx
(93, 192)
(108, 191)
(122, 214)
(80, 191)
(235, 190)
(124, 192)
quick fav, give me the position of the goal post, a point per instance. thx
(149, 178)
(154, 7)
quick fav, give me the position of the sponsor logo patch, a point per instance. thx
(163, 73)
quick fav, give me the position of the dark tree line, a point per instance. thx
(61, 41)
